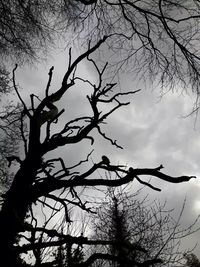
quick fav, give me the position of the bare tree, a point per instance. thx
(69, 255)
(192, 260)
(25, 33)
(24, 29)
(9, 128)
(128, 220)
(40, 177)
(157, 38)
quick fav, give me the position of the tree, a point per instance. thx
(69, 256)
(24, 29)
(10, 126)
(159, 38)
(192, 260)
(45, 179)
(128, 220)
(153, 38)
(156, 38)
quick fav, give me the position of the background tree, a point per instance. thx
(130, 220)
(192, 260)
(10, 128)
(156, 38)
(67, 255)
(24, 29)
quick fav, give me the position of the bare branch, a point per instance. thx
(18, 94)
(49, 81)
(52, 184)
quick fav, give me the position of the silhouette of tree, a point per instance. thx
(24, 29)
(159, 38)
(192, 260)
(43, 179)
(129, 221)
(68, 256)
(9, 128)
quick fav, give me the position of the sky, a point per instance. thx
(152, 130)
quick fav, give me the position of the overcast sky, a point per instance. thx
(152, 130)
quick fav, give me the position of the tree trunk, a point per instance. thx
(14, 209)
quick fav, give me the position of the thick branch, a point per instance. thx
(52, 184)
(63, 239)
